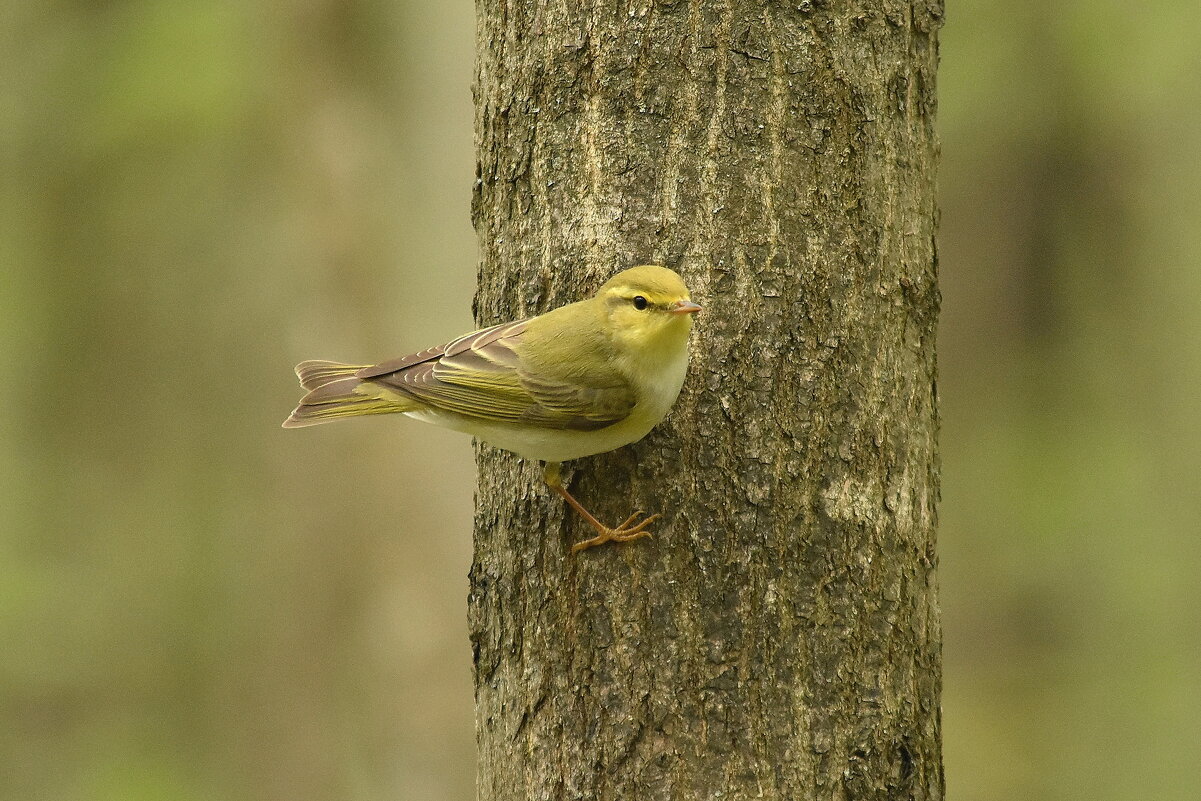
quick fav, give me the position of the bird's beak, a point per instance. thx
(684, 307)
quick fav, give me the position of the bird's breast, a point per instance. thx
(658, 378)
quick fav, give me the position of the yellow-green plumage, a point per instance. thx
(581, 379)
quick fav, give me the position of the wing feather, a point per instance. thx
(481, 375)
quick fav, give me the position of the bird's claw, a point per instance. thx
(623, 533)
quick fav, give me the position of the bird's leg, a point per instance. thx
(627, 531)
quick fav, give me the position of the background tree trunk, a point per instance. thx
(779, 636)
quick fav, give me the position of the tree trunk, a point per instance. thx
(778, 638)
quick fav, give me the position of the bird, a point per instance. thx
(581, 379)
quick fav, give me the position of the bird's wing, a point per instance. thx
(481, 375)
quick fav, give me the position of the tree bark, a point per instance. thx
(778, 638)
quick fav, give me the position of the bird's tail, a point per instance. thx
(335, 392)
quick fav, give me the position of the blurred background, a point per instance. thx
(195, 604)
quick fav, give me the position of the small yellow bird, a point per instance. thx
(582, 379)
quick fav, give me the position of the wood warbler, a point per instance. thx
(582, 379)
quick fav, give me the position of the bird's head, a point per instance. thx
(647, 307)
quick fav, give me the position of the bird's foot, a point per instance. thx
(626, 532)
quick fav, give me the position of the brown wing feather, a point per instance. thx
(480, 338)
(394, 365)
(480, 375)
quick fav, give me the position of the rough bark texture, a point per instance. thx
(778, 638)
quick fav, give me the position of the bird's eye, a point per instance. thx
(639, 302)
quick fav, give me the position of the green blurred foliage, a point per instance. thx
(198, 605)
(195, 603)
(1070, 379)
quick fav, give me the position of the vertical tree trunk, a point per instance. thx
(778, 638)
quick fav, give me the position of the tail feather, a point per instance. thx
(335, 393)
(316, 373)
